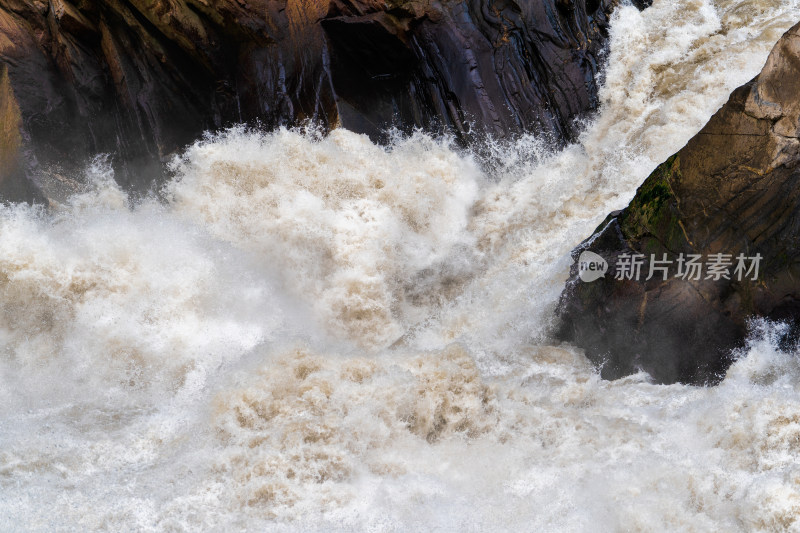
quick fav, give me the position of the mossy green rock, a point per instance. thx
(733, 189)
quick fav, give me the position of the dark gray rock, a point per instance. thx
(142, 78)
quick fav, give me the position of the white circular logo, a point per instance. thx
(591, 266)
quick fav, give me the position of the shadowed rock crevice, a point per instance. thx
(733, 189)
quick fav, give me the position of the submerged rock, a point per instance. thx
(141, 78)
(734, 190)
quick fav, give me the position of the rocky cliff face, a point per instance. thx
(733, 189)
(141, 78)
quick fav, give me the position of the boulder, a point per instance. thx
(734, 190)
(141, 78)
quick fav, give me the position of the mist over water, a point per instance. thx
(318, 333)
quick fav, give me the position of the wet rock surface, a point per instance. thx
(141, 78)
(733, 189)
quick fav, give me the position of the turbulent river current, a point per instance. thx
(308, 332)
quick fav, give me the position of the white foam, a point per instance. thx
(318, 333)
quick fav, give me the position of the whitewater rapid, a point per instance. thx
(307, 332)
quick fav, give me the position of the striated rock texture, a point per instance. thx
(141, 78)
(734, 188)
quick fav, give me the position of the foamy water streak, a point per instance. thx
(317, 333)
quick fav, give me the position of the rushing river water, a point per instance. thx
(312, 332)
